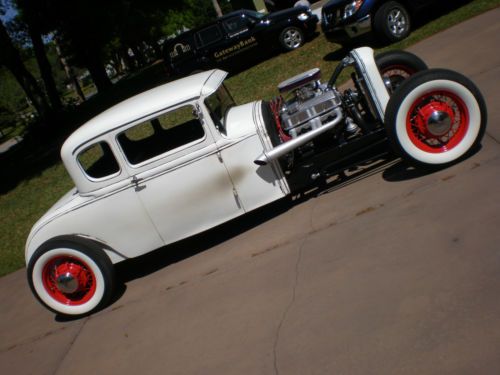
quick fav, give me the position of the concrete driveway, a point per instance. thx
(392, 273)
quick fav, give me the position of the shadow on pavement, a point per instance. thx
(149, 263)
(154, 261)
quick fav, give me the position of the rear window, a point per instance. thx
(98, 161)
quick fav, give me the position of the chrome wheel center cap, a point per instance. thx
(439, 123)
(67, 283)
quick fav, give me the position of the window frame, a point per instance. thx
(170, 153)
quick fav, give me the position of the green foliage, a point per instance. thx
(191, 14)
(12, 97)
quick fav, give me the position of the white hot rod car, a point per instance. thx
(182, 158)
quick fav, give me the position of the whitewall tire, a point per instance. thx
(435, 117)
(71, 277)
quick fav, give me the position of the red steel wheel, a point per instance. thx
(71, 277)
(69, 280)
(435, 117)
(437, 121)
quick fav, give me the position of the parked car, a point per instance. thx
(275, 5)
(235, 38)
(390, 20)
(183, 157)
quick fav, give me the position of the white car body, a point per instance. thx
(180, 193)
(181, 158)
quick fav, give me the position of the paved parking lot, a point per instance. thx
(394, 272)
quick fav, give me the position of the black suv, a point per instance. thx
(390, 20)
(236, 38)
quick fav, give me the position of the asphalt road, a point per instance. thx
(394, 272)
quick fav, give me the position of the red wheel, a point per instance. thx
(69, 280)
(437, 121)
(71, 277)
(397, 66)
(435, 117)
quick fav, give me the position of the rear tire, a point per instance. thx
(435, 118)
(392, 22)
(71, 277)
(396, 66)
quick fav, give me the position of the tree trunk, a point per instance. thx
(44, 66)
(11, 59)
(217, 8)
(96, 69)
(69, 72)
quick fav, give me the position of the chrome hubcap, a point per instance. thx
(396, 21)
(67, 283)
(439, 123)
(292, 38)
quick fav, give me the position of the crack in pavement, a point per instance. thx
(492, 137)
(70, 346)
(289, 306)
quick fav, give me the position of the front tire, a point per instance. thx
(392, 22)
(291, 38)
(397, 66)
(71, 277)
(435, 118)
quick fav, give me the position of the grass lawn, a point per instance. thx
(22, 205)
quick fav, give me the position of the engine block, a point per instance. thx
(310, 105)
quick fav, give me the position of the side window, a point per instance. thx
(161, 134)
(98, 161)
(236, 26)
(209, 35)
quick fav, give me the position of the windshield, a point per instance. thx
(254, 14)
(218, 104)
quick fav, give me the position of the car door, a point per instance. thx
(243, 39)
(178, 173)
(208, 41)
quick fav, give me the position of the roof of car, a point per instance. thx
(145, 104)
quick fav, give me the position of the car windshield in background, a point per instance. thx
(254, 14)
(218, 104)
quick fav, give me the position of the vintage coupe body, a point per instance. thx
(182, 158)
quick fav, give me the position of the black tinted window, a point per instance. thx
(236, 25)
(209, 35)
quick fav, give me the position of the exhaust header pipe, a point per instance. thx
(285, 148)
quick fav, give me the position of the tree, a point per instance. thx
(87, 27)
(70, 75)
(32, 15)
(11, 60)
